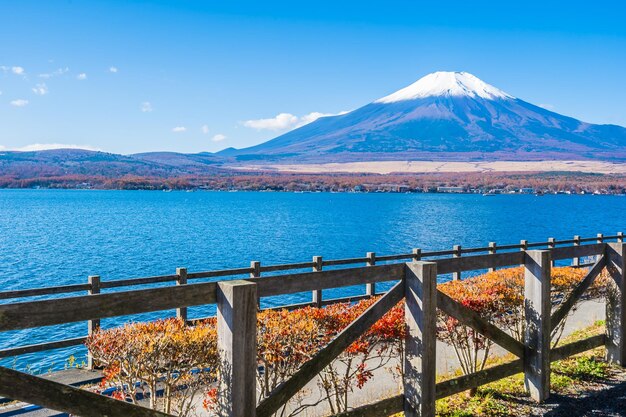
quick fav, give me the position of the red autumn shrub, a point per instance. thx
(165, 361)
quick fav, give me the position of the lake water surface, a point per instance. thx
(56, 237)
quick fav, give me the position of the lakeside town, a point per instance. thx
(488, 184)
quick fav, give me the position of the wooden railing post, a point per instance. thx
(524, 246)
(616, 304)
(492, 250)
(236, 344)
(370, 287)
(420, 289)
(92, 325)
(317, 294)
(576, 260)
(551, 245)
(457, 254)
(417, 255)
(620, 237)
(181, 312)
(600, 239)
(537, 310)
(255, 272)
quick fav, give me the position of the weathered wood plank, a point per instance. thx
(316, 295)
(219, 273)
(92, 325)
(325, 356)
(463, 383)
(437, 253)
(286, 267)
(564, 308)
(577, 347)
(457, 254)
(537, 310)
(568, 252)
(236, 344)
(348, 261)
(420, 316)
(616, 304)
(138, 281)
(492, 250)
(399, 257)
(382, 408)
(65, 398)
(40, 347)
(181, 312)
(472, 319)
(309, 281)
(470, 263)
(32, 292)
(370, 288)
(71, 309)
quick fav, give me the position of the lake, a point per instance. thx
(55, 237)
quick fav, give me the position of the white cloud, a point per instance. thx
(81, 76)
(47, 146)
(54, 73)
(286, 121)
(20, 102)
(218, 138)
(280, 122)
(17, 70)
(40, 89)
(205, 129)
(146, 107)
(178, 129)
(113, 69)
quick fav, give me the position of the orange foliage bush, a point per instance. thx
(143, 359)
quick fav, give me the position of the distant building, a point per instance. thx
(450, 189)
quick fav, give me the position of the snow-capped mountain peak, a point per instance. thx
(445, 83)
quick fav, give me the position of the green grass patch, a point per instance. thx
(508, 397)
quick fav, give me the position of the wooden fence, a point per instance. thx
(415, 282)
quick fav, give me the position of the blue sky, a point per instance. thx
(189, 76)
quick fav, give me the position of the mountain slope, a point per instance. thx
(445, 115)
(64, 162)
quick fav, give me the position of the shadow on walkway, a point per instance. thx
(610, 401)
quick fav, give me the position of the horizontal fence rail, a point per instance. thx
(331, 278)
(412, 278)
(619, 237)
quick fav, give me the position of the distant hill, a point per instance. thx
(443, 116)
(64, 162)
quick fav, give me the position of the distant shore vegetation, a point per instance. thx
(490, 183)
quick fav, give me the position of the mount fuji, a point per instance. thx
(443, 116)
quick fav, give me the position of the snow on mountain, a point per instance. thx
(443, 83)
(444, 116)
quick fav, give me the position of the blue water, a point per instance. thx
(55, 237)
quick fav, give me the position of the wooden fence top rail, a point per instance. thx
(61, 289)
(28, 314)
